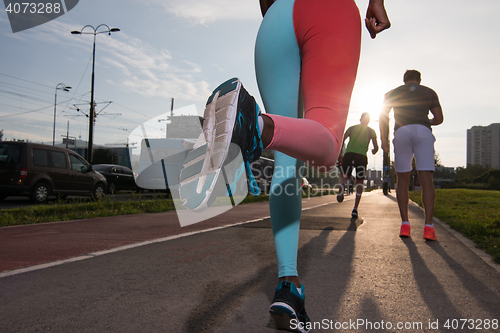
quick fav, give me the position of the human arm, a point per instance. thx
(342, 146)
(383, 121)
(375, 144)
(376, 19)
(437, 112)
(346, 135)
(264, 5)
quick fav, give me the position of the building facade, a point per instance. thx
(184, 127)
(483, 146)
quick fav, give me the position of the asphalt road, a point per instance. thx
(359, 275)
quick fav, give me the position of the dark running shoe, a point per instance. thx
(230, 125)
(288, 309)
(354, 213)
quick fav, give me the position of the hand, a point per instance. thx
(376, 18)
(385, 145)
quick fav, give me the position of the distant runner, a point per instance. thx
(355, 157)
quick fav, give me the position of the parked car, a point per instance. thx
(119, 178)
(40, 171)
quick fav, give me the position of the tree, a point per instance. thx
(437, 161)
(491, 178)
(1, 134)
(468, 174)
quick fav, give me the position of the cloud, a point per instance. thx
(154, 72)
(141, 67)
(209, 11)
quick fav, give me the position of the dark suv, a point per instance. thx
(39, 171)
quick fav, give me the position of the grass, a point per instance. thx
(61, 210)
(473, 213)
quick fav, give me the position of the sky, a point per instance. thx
(184, 49)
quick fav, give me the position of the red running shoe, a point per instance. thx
(405, 230)
(429, 233)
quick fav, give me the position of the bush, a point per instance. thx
(486, 177)
(491, 178)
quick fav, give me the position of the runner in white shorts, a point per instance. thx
(413, 137)
(414, 140)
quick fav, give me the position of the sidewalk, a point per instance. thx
(359, 277)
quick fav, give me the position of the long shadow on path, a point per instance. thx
(487, 298)
(430, 288)
(215, 307)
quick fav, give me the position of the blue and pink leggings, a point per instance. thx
(312, 46)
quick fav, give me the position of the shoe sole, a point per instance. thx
(203, 165)
(282, 314)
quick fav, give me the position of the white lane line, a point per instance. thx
(131, 246)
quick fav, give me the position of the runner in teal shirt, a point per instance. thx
(355, 157)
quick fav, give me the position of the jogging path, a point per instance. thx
(143, 273)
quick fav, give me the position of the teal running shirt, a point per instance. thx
(360, 138)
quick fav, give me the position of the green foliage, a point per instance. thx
(476, 177)
(61, 211)
(491, 177)
(468, 174)
(473, 213)
(437, 160)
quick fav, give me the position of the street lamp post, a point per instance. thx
(92, 105)
(60, 86)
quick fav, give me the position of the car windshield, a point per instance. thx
(10, 153)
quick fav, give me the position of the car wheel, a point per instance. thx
(40, 193)
(112, 188)
(99, 192)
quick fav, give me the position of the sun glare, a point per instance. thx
(368, 98)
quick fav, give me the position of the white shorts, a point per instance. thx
(414, 140)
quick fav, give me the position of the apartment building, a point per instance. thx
(483, 146)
